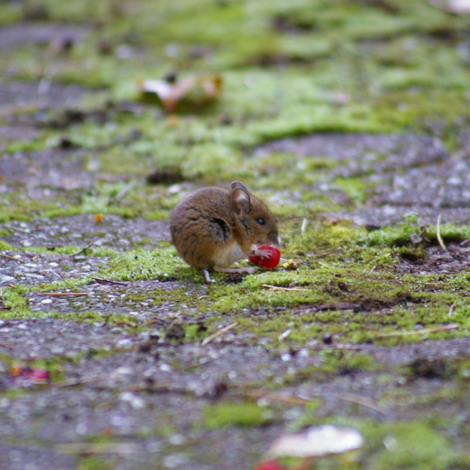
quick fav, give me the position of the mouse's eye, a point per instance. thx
(261, 221)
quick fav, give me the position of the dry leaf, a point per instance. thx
(196, 90)
(317, 442)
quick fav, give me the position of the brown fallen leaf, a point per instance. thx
(197, 90)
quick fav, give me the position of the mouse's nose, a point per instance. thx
(273, 238)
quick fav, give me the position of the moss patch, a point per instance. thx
(236, 414)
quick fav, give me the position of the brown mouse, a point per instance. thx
(213, 227)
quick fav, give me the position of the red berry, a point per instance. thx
(265, 261)
(270, 465)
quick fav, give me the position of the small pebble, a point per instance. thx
(327, 338)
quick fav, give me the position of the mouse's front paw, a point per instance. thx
(264, 254)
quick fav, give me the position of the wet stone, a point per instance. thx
(362, 153)
(35, 457)
(57, 94)
(54, 168)
(41, 33)
(42, 338)
(46, 268)
(115, 232)
(444, 186)
(407, 174)
(389, 215)
(104, 299)
(13, 133)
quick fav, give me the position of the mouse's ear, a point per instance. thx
(240, 198)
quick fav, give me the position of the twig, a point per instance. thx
(87, 380)
(108, 281)
(438, 232)
(326, 253)
(11, 257)
(124, 192)
(285, 288)
(83, 249)
(126, 322)
(30, 107)
(297, 400)
(221, 332)
(424, 331)
(153, 387)
(123, 448)
(337, 348)
(450, 313)
(157, 320)
(284, 335)
(163, 388)
(62, 294)
(304, 226)
(363, 401)
(277, 396)
(81, 381)
(6, 345)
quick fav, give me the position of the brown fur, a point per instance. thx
(213, 227)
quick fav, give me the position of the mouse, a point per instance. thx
(213, 227)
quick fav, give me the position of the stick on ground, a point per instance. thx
(438, 233)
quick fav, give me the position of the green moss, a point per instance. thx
(9, 14)
(400, 236)
(14, 300)
(415, 445)
(5, 246)
(95, 463)
(247, 414)
(356, 188)
(160, 263)
(195, 332)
